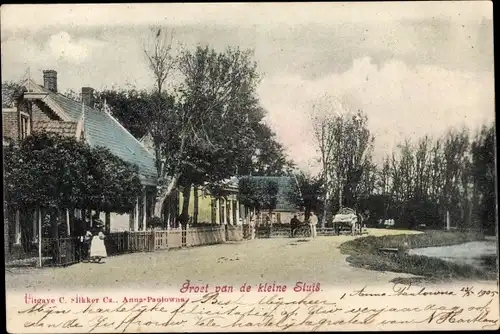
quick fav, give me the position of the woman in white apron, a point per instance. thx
(97, 248)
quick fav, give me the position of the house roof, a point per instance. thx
(147, 142)
(102, 129)
(286, 186)
(61, 127)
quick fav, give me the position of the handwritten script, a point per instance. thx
(395, 307)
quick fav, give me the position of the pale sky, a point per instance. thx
(415, 68)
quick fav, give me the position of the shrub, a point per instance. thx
(154, 222)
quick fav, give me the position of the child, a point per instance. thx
(98, 249)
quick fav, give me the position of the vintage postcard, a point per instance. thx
(236, 167)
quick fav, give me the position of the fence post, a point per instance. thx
(152, 241)
(183, 235)
(129, 242)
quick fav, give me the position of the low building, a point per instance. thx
(204, 207)
(43, 108)
(288, 189)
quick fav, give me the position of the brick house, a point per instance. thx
(43, 108)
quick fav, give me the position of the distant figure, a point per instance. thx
(86, 241)
(182, 221)
(98, 249)
(294, 224)
(313, 221)
(267, 220)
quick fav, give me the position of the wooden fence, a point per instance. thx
(235, 233)
(117, 243)
(141, 241)
(280, 231)
(205, 236)
(161, 239)
(61, 252)
(128, 242)
(273, 231)
(262, 231)
(325, 231)
(248, 231)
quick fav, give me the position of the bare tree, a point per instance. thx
(422, 178)
(159, 52)
(430, 179)
(345, 146)
(456, 159)
(161, 61)
(326, 117)
(384, 177)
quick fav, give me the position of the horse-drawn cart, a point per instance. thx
(348, 220)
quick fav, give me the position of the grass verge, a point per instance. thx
(364, 253)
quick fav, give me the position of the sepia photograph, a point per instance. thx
(221, 167)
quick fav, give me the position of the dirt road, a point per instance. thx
(278, 260)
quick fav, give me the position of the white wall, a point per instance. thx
(119, 222)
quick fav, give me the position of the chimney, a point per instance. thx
(50, 80)
(88, 96)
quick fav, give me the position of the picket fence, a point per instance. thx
(326, 231)
(273, 231)
(149, 241)
(284, 230)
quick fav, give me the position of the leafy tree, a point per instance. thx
(208, 119)
(259, 193)
(266, 156)
(11, 92)
(113, 183)
(310, 193)
(132, 108)
(45, 170)
(54, 172)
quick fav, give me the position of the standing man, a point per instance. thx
(294, 223)
(313, 221)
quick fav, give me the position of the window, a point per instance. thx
(24, 126)
(222, 211)
(214, 211)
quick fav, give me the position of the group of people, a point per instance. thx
(93, 248)
(296, 223)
